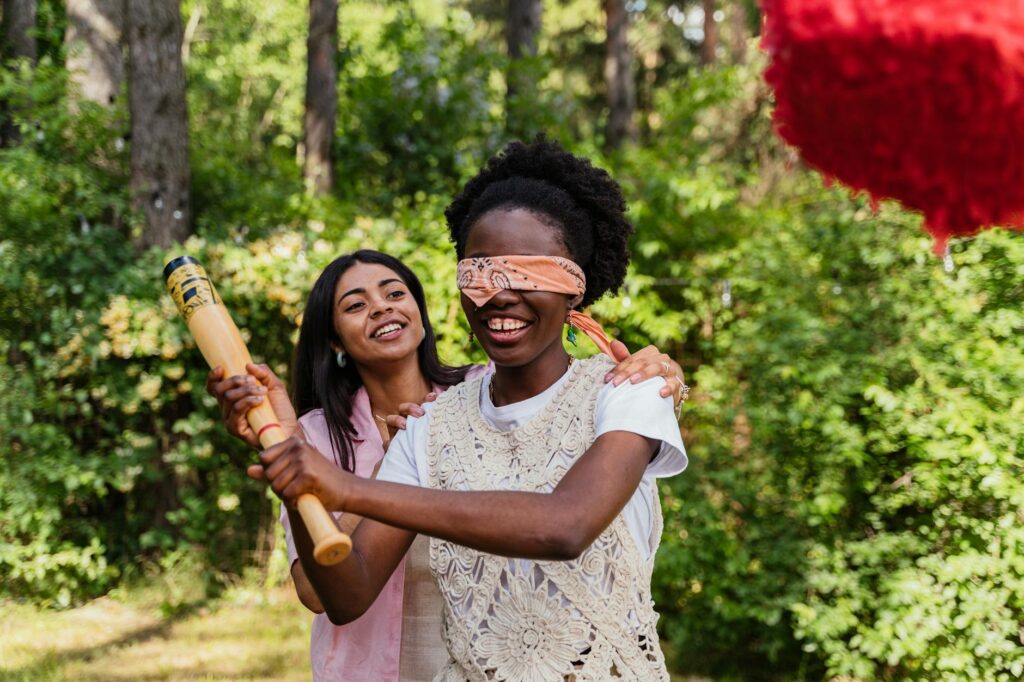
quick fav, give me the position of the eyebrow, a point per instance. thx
(361, 290)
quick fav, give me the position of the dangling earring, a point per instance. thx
(423, 336)
(341, 359)
(570, 335)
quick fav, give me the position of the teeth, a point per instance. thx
(505, 324)
(387, 329)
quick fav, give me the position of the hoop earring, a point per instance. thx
(341, 359)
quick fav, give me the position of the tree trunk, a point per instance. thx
(159, 121)
(522, 26)
(321, 95)
(709, 48)
(618, 76)
(95, 55)
(16, 29)
(738, 31)
(17, 40)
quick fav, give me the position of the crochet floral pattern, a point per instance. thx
(591, 618)
(529, 639)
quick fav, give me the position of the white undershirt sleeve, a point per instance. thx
(405, 461)
(639, 409)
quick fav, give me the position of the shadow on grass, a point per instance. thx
(50, 665)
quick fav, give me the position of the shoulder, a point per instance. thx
(459, 391)
(313, 417)
(641, 401)
(405, 459)
(596, 364)
(317, 434)
(640, 409)
(472, 372)
(477, 371)
(314, 422)
(647, 392)
(590, 372)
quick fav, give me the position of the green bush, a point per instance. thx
(853, 504)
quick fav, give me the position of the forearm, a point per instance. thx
(545, 526)
(344, 590)
(303, 588)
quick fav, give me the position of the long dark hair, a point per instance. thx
(318, 382)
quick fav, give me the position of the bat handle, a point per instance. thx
(330, 545)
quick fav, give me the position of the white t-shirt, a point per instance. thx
(636, 408)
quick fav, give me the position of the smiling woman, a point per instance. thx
(536, 484)
(365, 347)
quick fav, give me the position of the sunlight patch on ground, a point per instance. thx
(243, 636)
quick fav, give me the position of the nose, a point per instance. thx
(504, 298)
(380, 307)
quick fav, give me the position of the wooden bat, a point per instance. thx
(221, 344)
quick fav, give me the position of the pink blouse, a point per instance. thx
(367, 648)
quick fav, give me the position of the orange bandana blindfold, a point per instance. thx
(482, 278)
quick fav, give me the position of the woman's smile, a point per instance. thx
(388, 331)
(504, 330)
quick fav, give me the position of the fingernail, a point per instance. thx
(431, 395)
(261, 389)
(608, 376)
(635, 378)
(617, 381)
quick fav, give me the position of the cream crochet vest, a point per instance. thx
(591, 618)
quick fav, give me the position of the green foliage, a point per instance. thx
(111, 448)
(416, 108)
(853, 504)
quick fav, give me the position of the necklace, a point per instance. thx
(490, 384)
(385, 435)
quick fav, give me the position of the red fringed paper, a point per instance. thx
(916, 100)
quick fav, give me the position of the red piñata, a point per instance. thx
(916, 100)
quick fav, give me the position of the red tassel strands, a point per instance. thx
(916, 100)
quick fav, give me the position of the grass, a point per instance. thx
(144, 635)
(164, 630)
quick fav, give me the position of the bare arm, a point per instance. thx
(304, 589)
(346, 590)
(551, 526)
(544, 526)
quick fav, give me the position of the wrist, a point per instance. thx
(348, 492)
(359, 495)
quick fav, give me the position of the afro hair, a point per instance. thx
(563, 191)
